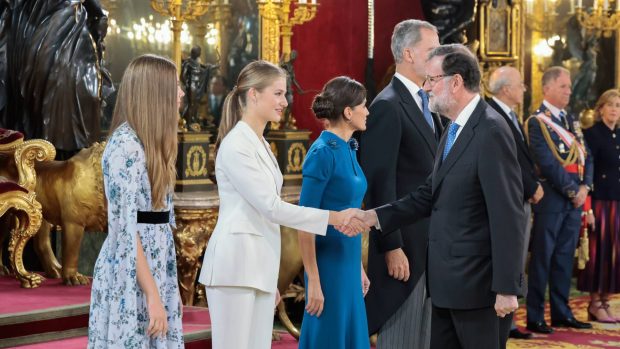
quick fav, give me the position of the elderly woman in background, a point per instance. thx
(602, 273)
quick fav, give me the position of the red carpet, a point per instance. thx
(51, 294)
(602, 336)
(195, 321)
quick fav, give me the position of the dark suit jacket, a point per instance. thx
(604, 144)
(526, 161)
(475, 201)
(558, 184)
(396, 152)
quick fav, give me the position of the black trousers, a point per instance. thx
(465, 329)
(505, 324)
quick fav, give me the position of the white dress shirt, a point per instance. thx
(412, 87)
(464, 115)
(555, 111)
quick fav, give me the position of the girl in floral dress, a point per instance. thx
(135, 299)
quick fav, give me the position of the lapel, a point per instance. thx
(414, 113)
(441, 168)
(438, 127)
(266, 157)
(520, 142)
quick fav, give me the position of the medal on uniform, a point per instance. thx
(562, 149)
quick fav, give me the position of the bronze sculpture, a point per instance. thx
(53, 74)
(287, 121)
(195, 78)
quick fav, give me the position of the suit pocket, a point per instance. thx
(470, 248)
(244, 227)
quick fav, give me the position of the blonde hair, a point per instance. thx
(257, 75)
(604, 99)
(147, 101)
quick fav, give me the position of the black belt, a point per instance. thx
(153, 217)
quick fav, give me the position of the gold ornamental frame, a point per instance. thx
(506, 19)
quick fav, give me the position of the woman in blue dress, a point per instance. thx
(135, 299)
(336, 283)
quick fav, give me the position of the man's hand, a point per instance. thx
(349, 222)
(505, 304)
(356, 221)
(397, 264)
(538, 195)
(581, 196)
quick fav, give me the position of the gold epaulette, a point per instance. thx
(573, 152)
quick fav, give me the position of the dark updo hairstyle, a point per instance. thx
(338, 94)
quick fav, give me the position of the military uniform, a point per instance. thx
(563, 163)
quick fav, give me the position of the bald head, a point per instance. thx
(506, 85)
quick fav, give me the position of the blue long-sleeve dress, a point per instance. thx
(333, 180)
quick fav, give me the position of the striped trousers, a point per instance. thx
(410, 326)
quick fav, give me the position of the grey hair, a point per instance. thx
(497, 81)
(552, 74)
(457, 59)
(444, 50)
(406, 34)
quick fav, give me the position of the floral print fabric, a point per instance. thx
(118, 310)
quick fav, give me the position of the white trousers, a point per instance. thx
(241, 317)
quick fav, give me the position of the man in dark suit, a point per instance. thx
(566, 174)
(507, 88)
(397, 151)
(474, 198)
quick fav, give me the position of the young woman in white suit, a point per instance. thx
(240, 268)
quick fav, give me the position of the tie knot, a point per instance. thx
(562, 114)
(454, 127)
(423, 94)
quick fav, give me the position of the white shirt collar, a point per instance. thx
(503, 105)
(464, 115)
(555, 111)
(412, 87)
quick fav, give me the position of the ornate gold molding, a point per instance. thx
(27, 218)
(194, 228)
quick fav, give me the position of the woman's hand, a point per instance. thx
(590, 220)
(158, 323)
(278, 297)
(314, 303)
(365, 282)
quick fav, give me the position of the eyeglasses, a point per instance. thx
(430, 81)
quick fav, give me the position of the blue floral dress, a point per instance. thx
(118, 311)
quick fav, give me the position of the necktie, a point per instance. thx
(562, 116)
(425, 110)
(454, 127)
(514, 119)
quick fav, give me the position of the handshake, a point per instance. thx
(353, 221)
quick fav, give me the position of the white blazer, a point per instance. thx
(244, 249)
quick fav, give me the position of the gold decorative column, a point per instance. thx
(179, 11)
(277, 20)
(617, 58)
(501, 34)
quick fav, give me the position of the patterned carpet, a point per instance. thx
(602, 336)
